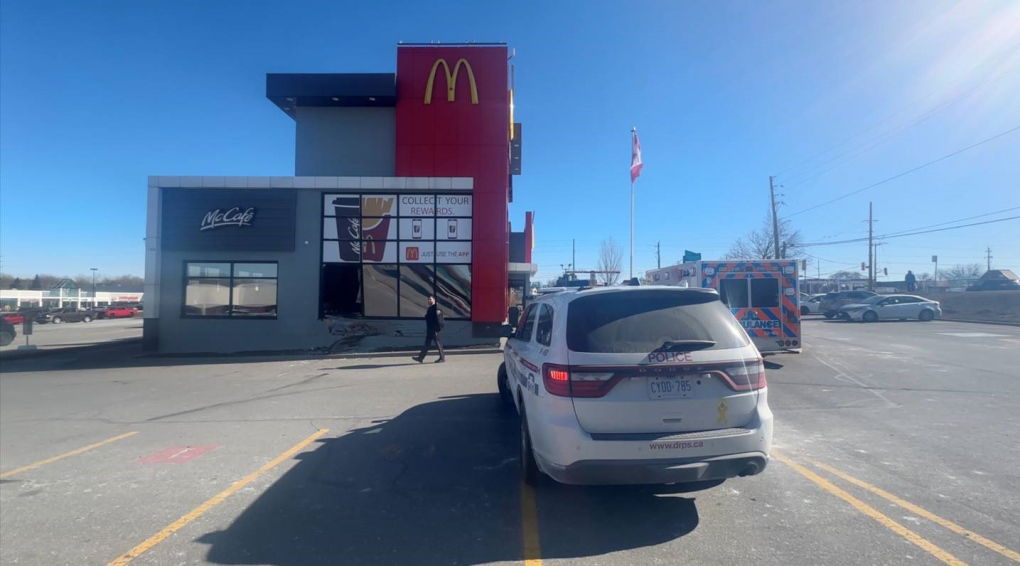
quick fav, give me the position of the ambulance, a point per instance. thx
(763, 295)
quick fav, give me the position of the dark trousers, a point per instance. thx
(430, 337)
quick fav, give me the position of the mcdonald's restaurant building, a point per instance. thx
(401, 190)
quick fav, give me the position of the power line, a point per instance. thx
(958, 220)
(907, 172)
(902, 235)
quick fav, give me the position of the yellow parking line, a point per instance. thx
(1011, 554)
(529, 526)
(214, 501)
(870, 511)
(66, 454)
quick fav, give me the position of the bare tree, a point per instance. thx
(759, 243)
(962, 272)
(845, 275)
(610, 259)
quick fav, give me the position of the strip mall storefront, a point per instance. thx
(401, 190)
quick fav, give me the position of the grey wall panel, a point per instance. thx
(345, 141)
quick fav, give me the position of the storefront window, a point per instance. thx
(453, 290)
(383, 255)
(416, 284)
(224, 289)
(340, 290)
(380, 283)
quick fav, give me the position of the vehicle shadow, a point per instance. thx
(438, 484)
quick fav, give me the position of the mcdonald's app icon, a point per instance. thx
(412, 253)
(451, 77)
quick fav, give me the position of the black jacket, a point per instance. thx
(434, 319)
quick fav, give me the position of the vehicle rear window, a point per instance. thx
(641, 321)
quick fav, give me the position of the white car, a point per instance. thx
(812, 305)
(892, 307)
(636, 385)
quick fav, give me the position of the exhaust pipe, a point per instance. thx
(751, 469)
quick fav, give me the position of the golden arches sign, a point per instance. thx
(451, 80)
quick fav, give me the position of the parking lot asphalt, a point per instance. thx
(896, 443)
(76, 334)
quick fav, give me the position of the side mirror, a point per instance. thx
(506, 331)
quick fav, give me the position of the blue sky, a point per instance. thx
(829, 96)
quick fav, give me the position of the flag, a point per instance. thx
(635, 156)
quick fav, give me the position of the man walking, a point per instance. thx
(433, 324)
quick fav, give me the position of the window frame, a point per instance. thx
(545, 308)
(528, 311)
(230, 285)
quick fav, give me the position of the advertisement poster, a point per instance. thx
(411, 228)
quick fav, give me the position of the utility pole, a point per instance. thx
(94, 269)
(658, 255)
(988, 250)
(775, 219)
(871, 249)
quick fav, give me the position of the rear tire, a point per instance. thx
(870, 316)
(926, 316)
(57, 320)
(804, 311)
(87, 319)
(830, 314)
(529, 468)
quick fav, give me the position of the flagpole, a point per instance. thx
(632, 228)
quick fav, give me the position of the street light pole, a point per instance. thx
(94, 269)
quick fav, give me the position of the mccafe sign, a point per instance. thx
(235, 216)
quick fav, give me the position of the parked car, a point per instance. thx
(67, 314)
(636, 385)
(118, 312)
(7, 332)
(13, 317)
(832, 302)
(892, 307)
(812, 305)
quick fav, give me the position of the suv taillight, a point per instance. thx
(565, 381)
(748, 375)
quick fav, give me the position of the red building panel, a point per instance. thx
(467, 136)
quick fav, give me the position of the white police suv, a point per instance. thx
(636, 385)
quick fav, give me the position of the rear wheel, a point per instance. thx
(804, 311)
(86, 319)
(927, 315)
(870, 316)
(830, 314)
(57, 320)
(529, 468)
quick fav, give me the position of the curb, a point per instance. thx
(312, 354)
(400, 354)
(995, 322)
(44, 351)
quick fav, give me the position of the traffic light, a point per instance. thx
(863, 267)
(885, 271)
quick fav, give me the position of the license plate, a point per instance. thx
(671, 387)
